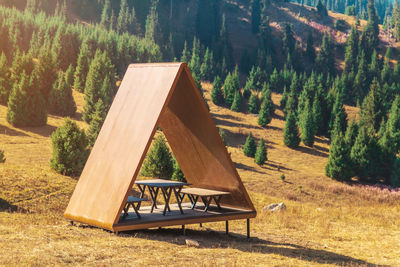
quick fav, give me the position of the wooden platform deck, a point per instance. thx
(197, 215)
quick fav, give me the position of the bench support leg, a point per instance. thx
(227, 227)
(183, 229)
(248, 228)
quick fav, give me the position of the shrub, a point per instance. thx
(223, 136)
(70, 149)
(261, 153)
(250, 147)
(177, 174)
(158, 162)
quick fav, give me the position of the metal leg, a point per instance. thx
(201, 225)
(72, 223)
(141, 189)
(206, 202)
(217, 199)
(227, 227)
(195, 199)
(177, 198)
(183, 229)
(153, 195)
(136, 210)
(248, 228)
(167, 196)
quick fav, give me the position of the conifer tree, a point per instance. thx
(253, 104)
(106, 14)
(264, 116)
(177, 174)
(261, 153)
(26, 105)
(195, 63)
(250, 147)
(275, 81)
(44, 72)
(70, 150)
(360, 81)
(351, 133)
(69, 76)
(325, 60)
(158, 161)
(97, 121)
(364, 155)
(339, 165)
(82, 68)
(318, 115)
(395, 19)
(153, 32)
(338, 116)
(229, 90)
(372, 110)
(60, 99)
(206, 68)
(291, 137)
(288, 39)
(185, 53)
(223, 136)
(266, 95)
(100, 69)
(217, 96)
(307, 125)
(237, 101)
(124, 18)
(351, 51)
(5, 80)
(394, 124)
(285, 96)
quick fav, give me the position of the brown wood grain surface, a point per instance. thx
(150, 95)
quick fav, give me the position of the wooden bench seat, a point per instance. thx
(206, 195)
(133, 202)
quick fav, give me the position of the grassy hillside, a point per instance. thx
(326, 222)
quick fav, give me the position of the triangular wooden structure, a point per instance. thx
(152, 95)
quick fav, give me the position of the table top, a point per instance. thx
(160, 183)
(203, 192)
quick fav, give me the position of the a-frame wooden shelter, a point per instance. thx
(152, 95)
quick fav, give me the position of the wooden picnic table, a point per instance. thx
(166, 187)
(206, 195)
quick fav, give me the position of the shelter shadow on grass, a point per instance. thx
(216, 239)
(247, 168)
(10, 132)
(311, 151)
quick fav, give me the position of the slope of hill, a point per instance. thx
(326, 222)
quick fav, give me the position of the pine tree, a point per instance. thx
(372, 110)
(351, 133)
(153, 32)
(321, 9)
(158, 161)
(237, 101)
(123, 19)
(70, 150)
(177, 174)
(223, 136)
(229, 90)
(307, 125)
(275, 82)
(253, 104)
(100, 69)
(350, 57)
(364, 155)
(82, 68)
(291, 137)
(60, 99)
(5, 80)
(284, 99)
(318, 115)
(97, 121)
(266, 95)
(69, 76)
(250, 147)
(185, 53)
(261, 153)
(288, 39)
(217, 96)
(394, 124)
(360, 81)
(395, 19)
(106, 15)
(195, 62)
(44, 72)
(338, 116)
(206, 68)
(325, 60)
(339, 166)
(264, 116)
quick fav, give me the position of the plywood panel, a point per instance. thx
(122, 144)
(197, 146)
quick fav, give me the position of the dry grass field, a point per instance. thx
(326, 222)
